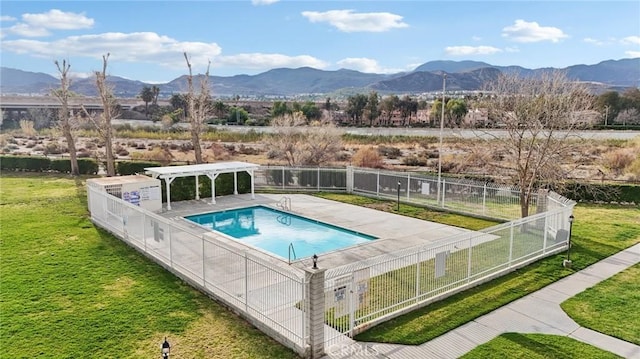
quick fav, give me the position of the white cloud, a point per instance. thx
(128, 47)
(349, 21)
(471, 50)
(259, 61)
(633, 40)
(38, 25)
(476, 38)
(26, 30)
(364, 64)
(593, 41)
(633, 54)
(523, 31)
(7, 18)
(59, 20)
(264, 2)
(80, 75)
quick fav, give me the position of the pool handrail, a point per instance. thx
(292, 249)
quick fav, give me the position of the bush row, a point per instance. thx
(44, 164)
(184, 188)
(607, 193)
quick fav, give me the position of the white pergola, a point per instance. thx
(211, 170)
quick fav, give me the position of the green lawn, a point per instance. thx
(593, 238)
(611, 307)
(70, 290)
(411, 211)
(533, 346)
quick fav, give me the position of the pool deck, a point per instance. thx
(394, 231)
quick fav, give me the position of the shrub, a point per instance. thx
(125, 168)
(343, 156)
(27, 128)
(246, 150)
(633, 170)
(430, 153)
(183, 188)
(601, 192)
(618, 160)
(186, 147)
(53, 148)
(414, 160)
(156, 154)
(85, 166)
(367, 157)
(122, 152)
(390, 152)
(83, 154)
(25, 163)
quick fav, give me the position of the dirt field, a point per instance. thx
(594, 160)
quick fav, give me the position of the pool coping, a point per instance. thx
(394, 231)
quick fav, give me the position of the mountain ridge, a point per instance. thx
(464, 75)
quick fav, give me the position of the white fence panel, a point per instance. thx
(272, 295)
(367, 292)
(275, 297)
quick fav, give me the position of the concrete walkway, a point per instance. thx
(538, 312)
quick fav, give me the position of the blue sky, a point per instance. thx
(146, 39)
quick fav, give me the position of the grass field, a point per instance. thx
(70, 290)
(611, 307)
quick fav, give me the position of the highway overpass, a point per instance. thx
(24, 103)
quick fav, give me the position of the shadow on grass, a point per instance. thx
(546, 350)
(516, 345)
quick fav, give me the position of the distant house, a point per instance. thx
(477, 117)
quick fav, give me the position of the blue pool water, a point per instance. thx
(272, 230)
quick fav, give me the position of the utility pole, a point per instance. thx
(444, 84)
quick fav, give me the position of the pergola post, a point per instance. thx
(253, 196)
(168, 181)
(213, 177)
(197, 188)
(235, 182)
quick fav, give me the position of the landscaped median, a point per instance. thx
(71, 290)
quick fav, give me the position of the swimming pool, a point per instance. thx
(274, 231)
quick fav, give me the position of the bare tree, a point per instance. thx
(287, 142)
(110, 112)
(322, 143)
(64, 121)
(199, 108)
(41, 117)
(630, 116)
(538, 114)
(300, 144)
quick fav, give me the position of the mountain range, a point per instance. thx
(461, 76)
